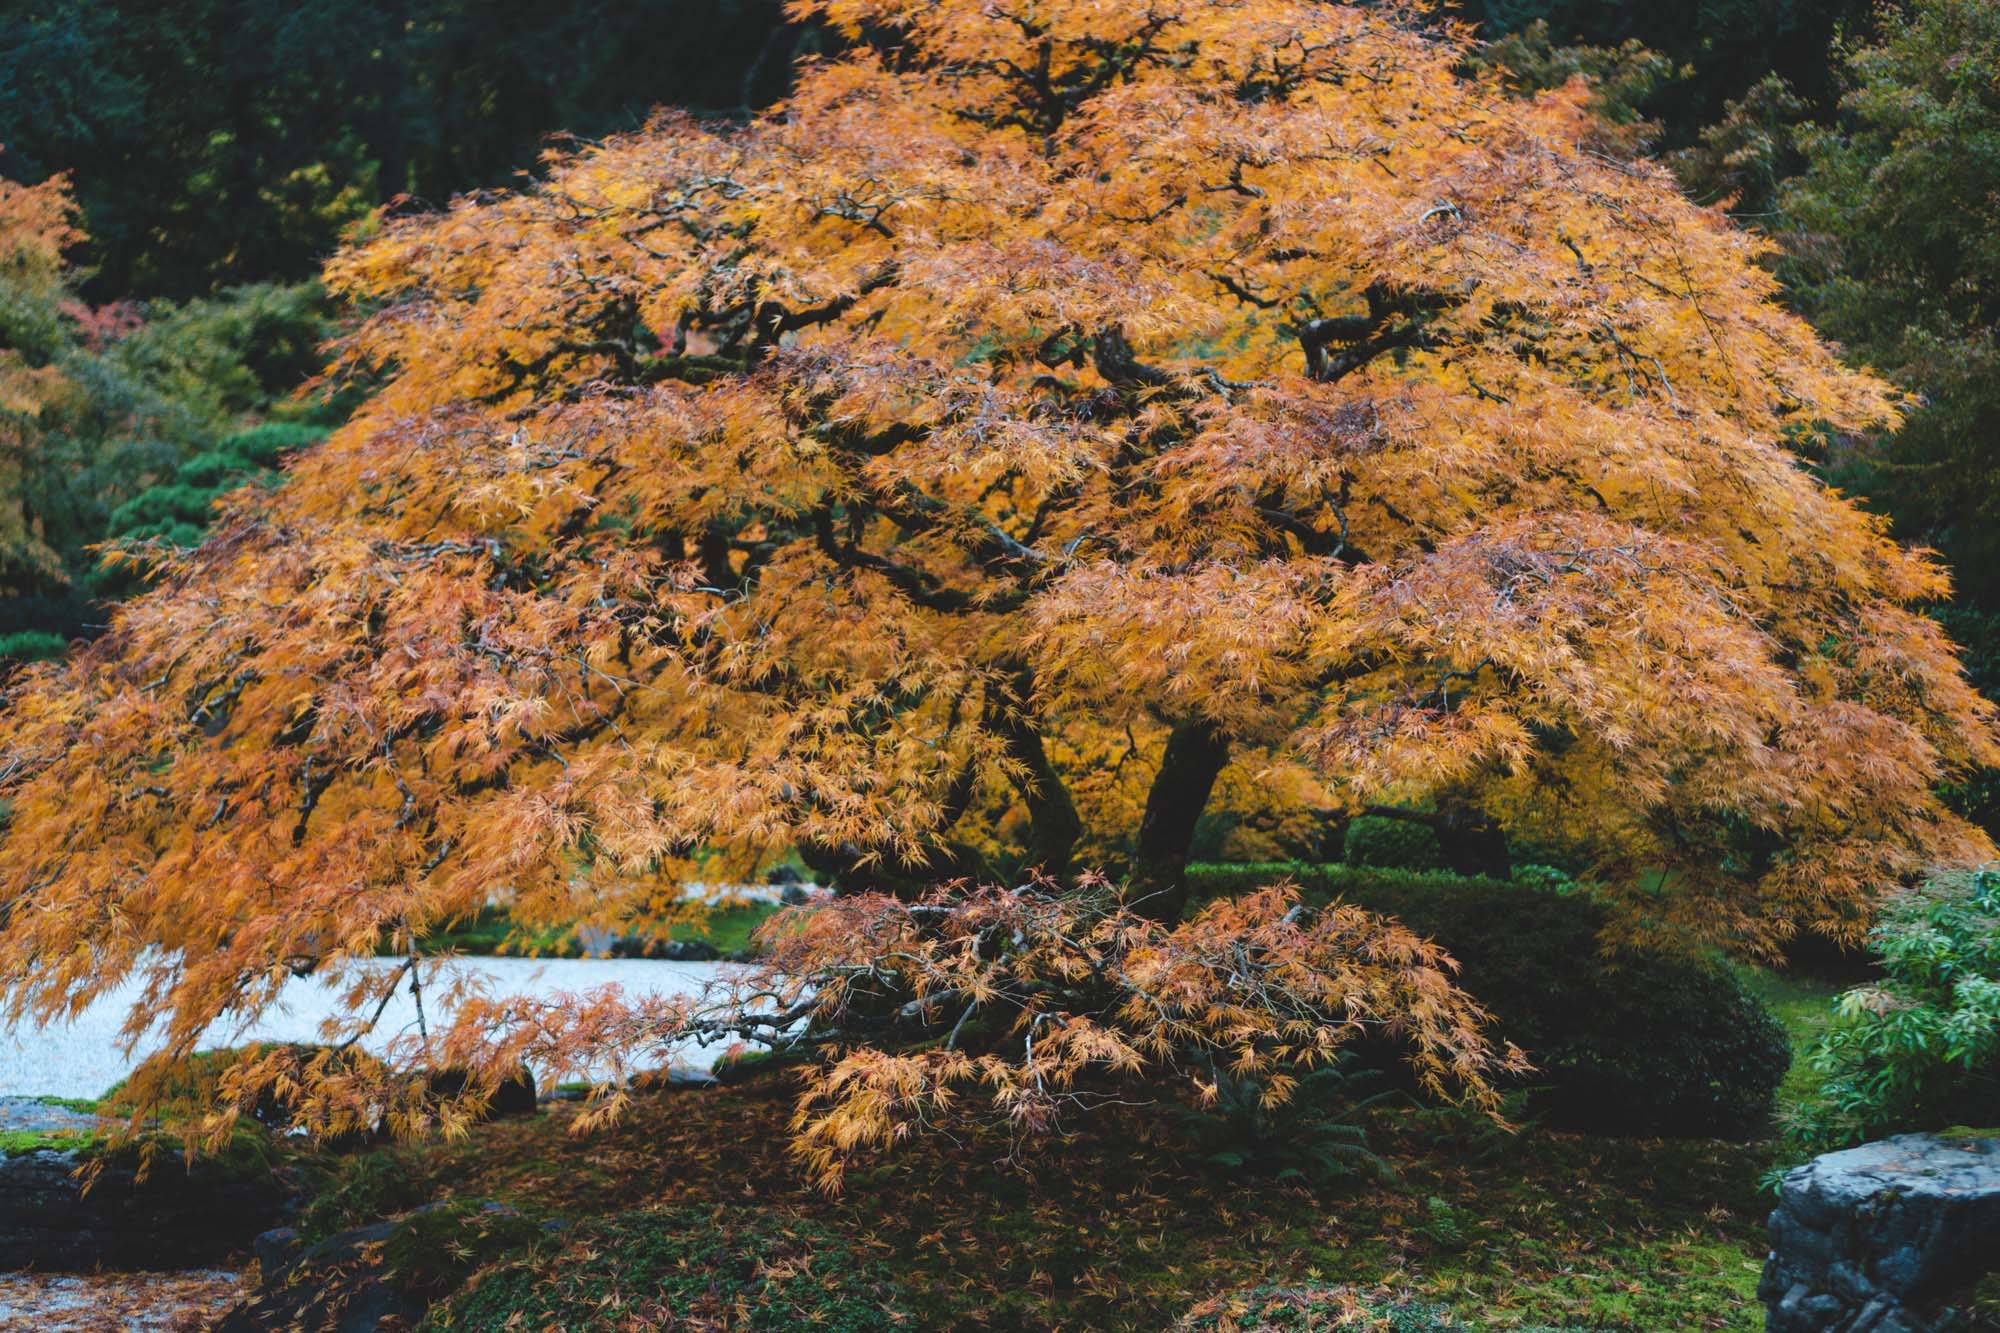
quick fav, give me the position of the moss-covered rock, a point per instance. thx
(431, 1252)
(147, 1205)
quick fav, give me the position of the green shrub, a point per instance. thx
(213, 471)
(1552, 878)
(1400, 844)
(32, 645)
(1630, 1044)
(266, 446)
(146, 513)
(221, 358)
(1920, 1049)
(726, 1267)
(1317, 1135)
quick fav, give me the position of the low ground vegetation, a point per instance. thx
(1119, 1226)
(1396, 1215)
(1920, 1047)
(1352, 1206)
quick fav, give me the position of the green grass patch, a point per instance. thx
(20, 1142)
(1802, 1004)
(81, 1105)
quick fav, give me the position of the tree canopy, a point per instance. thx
(1206, 382)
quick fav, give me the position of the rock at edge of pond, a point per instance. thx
(1885, 1237)
(178, 1217)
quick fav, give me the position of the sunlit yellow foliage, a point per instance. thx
(1044, 378)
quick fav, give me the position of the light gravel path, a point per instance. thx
(83, 1058)
(116, 1302)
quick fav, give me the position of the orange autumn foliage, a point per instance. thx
(1031, 1005)
(1239, 376)
(37, 224)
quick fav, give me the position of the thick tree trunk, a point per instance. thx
(1054, 827)
(1053, 823)
(1195, 754)
(1473, 844)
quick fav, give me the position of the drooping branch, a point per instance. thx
(1471, 841)
(1041, 1001)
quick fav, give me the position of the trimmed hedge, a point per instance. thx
(1639, 1044)
(1398, 844)
(688, 1267)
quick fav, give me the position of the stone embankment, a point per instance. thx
(1890, 1237)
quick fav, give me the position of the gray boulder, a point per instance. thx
(349, 1282)
(1884, 1238)
(177, 1217)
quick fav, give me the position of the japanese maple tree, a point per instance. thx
(1046, 384)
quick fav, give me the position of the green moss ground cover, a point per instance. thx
(1801, 1002)
(1129, 1223)
(1119, 1228)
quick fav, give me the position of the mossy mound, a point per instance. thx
(433, 1251)
(1638, 1044)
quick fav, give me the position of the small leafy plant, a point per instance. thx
(1317, 1135)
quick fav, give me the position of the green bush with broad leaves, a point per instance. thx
(1625, 1043)
(1919, 1049)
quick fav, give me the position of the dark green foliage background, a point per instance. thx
(227, 141)
(1639, 1044)
(1723, 46)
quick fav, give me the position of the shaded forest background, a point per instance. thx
(218, 150)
